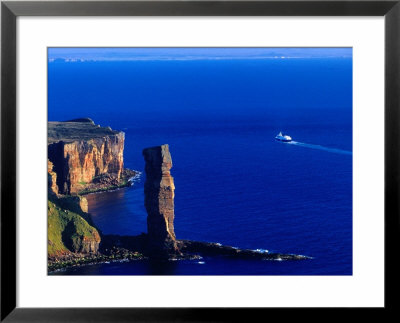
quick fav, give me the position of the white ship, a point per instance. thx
(282, 137)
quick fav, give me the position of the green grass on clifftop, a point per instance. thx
(66, 230)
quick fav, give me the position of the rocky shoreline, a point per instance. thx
(107, 182)
(134, 248)
(213, 249)
(190, 249)
(55, 264)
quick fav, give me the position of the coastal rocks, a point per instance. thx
(83, 204)
(52, 179)
(213, 249)
(82, 152)
(89, 244)
(80, 237)
(159, 201)
(194, 250)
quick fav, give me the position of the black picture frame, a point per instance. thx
(10, 10)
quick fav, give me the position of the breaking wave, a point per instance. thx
(135, 178)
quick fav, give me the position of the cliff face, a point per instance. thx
(159, 200)
(82, 153)
(52, 179)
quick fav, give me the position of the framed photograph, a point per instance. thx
(196, 161)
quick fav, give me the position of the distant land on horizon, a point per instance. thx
(192, 53)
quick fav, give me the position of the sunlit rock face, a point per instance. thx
(82, 151)
(52, 179)
(159, 201)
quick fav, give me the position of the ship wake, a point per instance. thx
(319, 147)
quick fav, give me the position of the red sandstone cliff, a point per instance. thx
(84, 155)
(52, 178)
(159, 201)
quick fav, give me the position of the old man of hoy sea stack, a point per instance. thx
(159, 202)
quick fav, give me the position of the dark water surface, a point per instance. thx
(234, 183)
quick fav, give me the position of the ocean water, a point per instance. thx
(234, 183)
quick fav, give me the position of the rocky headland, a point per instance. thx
(83, 158)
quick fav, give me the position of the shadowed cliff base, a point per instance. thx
(191, 249)
(115, 248)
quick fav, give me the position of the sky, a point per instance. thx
(192, 53)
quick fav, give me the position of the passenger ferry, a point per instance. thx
(281, 137)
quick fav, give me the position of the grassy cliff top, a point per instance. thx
(65, 231)
(77, 129)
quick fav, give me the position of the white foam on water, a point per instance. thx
(123, 260)
(135, 178)
(319, 147)
(261, 250)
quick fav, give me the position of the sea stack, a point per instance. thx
(159, 202)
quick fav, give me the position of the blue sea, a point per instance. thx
(235, 184)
